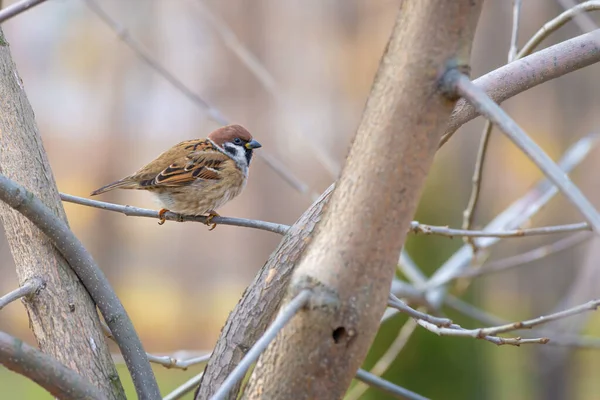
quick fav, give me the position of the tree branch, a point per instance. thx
(255, 310)
(366, 220)
(15, 9)
(47, 372)
(300, 301)
(30, 287)
(131, 211)
(386, 386)
(93, 279)
(521, 75)
(486, 106)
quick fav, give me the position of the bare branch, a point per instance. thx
(211, 111)
(15, 9)
(558, 339)
(184, 389)
(518, 260)
(583, 20)
(47, 372)
(512, 51)
(30, 287)
(285, 315)
(401, 306)
(458, 331)
(555, 24)
(169, 361)
(512, 217)
(402, 122)
(469, 212)
(386, 386)
(93, 279)
(259, 303)
(486, 106)
(589, 306)
(417, 227)
(521, 75)
(131, 211)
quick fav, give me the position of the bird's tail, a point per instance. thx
(124, 183)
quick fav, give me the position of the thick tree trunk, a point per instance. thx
(351, 262)
(63, 316)
(253, 314)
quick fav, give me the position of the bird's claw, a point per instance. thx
(161, 216)
(209, 222)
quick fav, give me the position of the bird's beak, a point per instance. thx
(253, 144)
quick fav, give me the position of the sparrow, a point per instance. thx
(198, 176)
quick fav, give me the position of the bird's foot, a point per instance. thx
(161, 216)
(211, 215)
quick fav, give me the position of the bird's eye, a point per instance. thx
(237, 140)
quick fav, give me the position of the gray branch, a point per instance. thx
(27, 289)
(143, 212)
(47, 372)
(19, 198)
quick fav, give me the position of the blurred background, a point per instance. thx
(103, 113)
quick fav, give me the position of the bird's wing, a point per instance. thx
(190, 162)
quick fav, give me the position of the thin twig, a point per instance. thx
(168, 361)
(131, 211)
(417, 227)
(284, 316)
(558, 339)
(184, 389)
(514, 37)
(401, 306)
(583, 20)
(458, 331)
(92, 277)
(60, 381)
(554, 24)
(512, 217)
(212, 112)
(469, 212)
(486, 106)
(518, 260)
(15, 9)
(31, 286)
(591, 305)
(397, 391)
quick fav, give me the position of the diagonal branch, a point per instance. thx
(259, 303)
(47, 372)
(521, 75)
(288, 312)
(93, 279)
(486, 106)
(15, 9)
(30, 287)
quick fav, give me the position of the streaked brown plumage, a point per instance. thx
(197, 176)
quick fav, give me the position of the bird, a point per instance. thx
(196, 177)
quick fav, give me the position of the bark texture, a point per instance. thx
(350, 264)
(63, 316)
(259, 303)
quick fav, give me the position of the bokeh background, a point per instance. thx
(103, 113)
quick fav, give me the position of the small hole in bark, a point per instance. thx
(339, 334)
